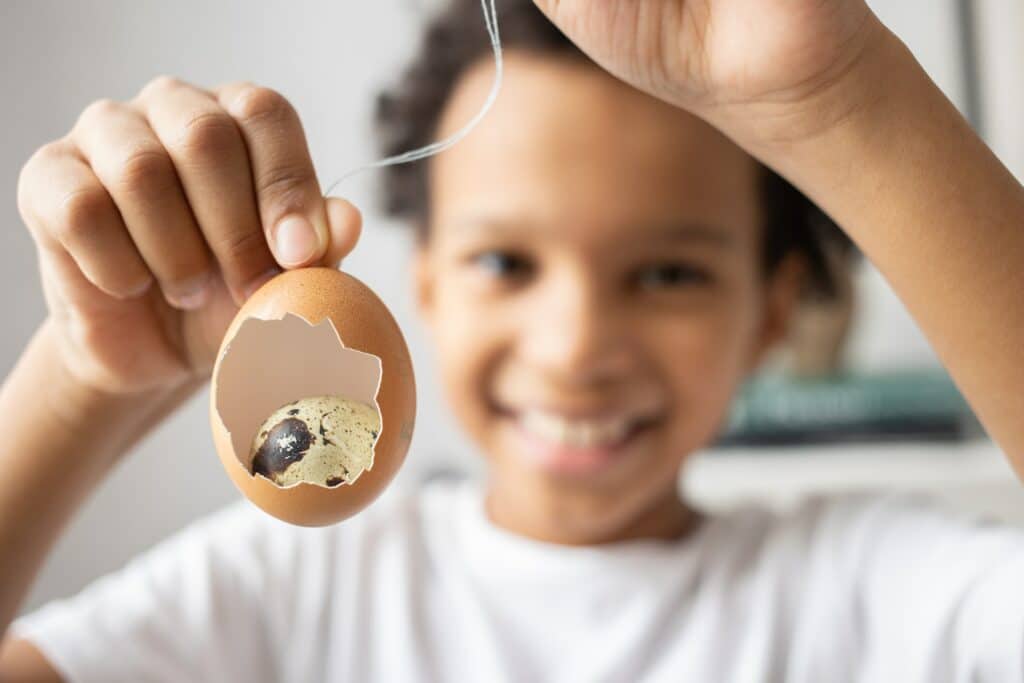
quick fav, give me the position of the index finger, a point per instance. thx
(291, 206)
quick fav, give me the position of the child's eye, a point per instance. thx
(502, 264)
(664, 275)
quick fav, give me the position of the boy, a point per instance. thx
(599, 271)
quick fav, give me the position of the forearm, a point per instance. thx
(60, 440)
(941, 217)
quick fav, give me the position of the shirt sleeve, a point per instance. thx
(190, 609)
(939, 594)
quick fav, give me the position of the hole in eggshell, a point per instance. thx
(270, 363)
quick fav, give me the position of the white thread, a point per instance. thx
(491, 20)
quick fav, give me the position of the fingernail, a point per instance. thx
(193, 294)
(140, 289)
(295, 241)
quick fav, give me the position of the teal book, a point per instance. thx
(898, 405)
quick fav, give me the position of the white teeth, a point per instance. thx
(575, 433)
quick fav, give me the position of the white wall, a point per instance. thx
(1001, 26)
(328, 58)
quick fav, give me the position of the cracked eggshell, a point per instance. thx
(311, 332)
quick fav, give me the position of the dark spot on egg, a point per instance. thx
(287, 443)
(335, 481)
(293, 411)
(323, 435)
(373, 433)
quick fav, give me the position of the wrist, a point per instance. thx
(856, 89)
(67, 396)
(74, 381)
(102, 422)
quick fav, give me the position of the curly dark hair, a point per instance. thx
(407, 117)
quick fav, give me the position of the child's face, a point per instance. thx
(593, 287)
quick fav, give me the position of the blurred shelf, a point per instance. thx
(973, 475)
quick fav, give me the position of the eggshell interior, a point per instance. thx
(269, 363)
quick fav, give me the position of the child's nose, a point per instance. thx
(578, 337)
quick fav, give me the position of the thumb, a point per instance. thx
(548, 7)
(345, 225)
(563, 13)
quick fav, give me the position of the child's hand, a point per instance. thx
(722, 59)
(155, 217)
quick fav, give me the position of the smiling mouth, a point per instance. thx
(576, 433)
(575, 445)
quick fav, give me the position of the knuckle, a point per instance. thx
(34, 199)
(243, 246)
(239, 86)
(34, 167)
(79, 212)
(146, 169)
(99, 110)
(208, 134)
(256, 104)
(284, 184)
(23, 200)
(54, 149)
(22, 192)
(161, 84)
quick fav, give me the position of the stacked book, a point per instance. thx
(901, 405)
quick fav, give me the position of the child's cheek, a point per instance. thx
(468, 339)
(703, 358)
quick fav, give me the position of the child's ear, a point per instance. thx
(782, 296)
(423, 282)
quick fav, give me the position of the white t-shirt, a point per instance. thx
(423, 587)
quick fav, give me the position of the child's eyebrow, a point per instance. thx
(691, 232)
(668, 232)
(489, 226)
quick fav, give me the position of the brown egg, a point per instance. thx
(309, 333)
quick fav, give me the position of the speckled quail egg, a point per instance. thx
(326, 440)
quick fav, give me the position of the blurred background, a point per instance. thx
(857, 396)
